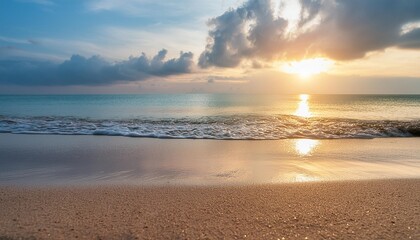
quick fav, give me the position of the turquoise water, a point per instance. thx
(213, 116)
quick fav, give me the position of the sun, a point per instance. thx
(308, 67)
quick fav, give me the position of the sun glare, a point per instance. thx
(305, 146)
(308, 67)
(303, 107)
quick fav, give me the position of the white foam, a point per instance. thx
(217, 127)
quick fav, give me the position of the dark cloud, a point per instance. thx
(352, 28)
(245, 32)
(410, 39)
(344, 30)
(338, 29)
(214, 79)
(95, 70)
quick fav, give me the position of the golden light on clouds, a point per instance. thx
(289, 10)
(308, 67)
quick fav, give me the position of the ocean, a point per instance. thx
(213, 116)
(182, 139)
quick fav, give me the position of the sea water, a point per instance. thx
(213, 116)
(321, 137)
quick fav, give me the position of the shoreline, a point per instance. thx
(63, 160)
(386, 209)
(89, 187)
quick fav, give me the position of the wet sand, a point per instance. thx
(374, 209)
(82, 160)
(89, 187)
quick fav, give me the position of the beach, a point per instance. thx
(375, 209)
(209, 167)
(246, 119)
(96, 187)
(60, 160)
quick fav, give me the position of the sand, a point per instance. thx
(375, 209)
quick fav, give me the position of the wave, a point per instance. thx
(215, 127)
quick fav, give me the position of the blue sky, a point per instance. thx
(111, 46)
(58, 28)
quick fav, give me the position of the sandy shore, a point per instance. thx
(384, 209)
(74, 160)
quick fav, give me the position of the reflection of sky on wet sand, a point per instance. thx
(89, 159)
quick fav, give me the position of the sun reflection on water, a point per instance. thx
(303, 107)
(305, 147)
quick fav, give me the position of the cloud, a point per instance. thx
(128, 6)
(95, 70)
(256, 32)
(338, 29)
(245, 32)
(226, 79)
(15, 40)
(16, 53)
(119, 42)
(410, 40)
(352, 28)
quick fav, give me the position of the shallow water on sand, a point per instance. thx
(64, 160)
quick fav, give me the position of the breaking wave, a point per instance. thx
(215, 127)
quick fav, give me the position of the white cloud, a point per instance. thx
(128, 41)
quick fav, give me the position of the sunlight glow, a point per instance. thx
(303, 107)
(308, 67)
(305, 178)
(305, 146)
(292, 11)
(288, 10)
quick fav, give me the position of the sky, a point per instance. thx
(210, 46)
